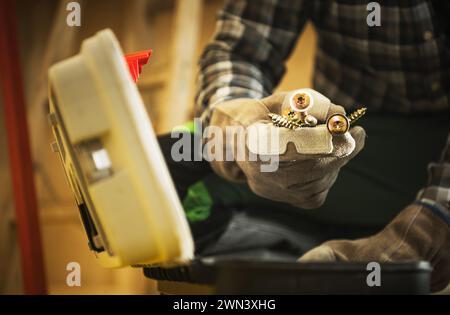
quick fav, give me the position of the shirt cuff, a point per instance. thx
(437, 208)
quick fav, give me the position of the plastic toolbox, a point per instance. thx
(268, 277)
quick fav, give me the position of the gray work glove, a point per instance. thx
(309, 158)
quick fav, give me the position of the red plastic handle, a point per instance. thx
(136, 61)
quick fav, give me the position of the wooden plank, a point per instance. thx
(180, 99)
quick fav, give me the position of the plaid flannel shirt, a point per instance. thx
(402, 66)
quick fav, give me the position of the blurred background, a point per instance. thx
(177, 31)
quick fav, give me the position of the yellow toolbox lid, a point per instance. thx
(127, 200)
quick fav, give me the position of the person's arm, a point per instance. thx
(246, 57)
(238, 71)
(436, 195)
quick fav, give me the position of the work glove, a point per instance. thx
(309, 158)
(416, 233)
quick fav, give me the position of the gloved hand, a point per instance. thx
(415, 234)
(309, 158)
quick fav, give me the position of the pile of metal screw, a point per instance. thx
(297, 116)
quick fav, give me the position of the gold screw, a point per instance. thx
(294, 117)
(281, 121)
(301, 101)
(338, 124)
(289, 114)
(299, 104)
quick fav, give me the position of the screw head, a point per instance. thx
(338, 124)
(288, 113)
(301, 101)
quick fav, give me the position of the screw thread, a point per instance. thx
(281, 121)
(357, 114)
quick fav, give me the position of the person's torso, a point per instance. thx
(403, 65)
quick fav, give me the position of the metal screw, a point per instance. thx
(300, 117)
(281, 121)
(300, 101)
(338, 124)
